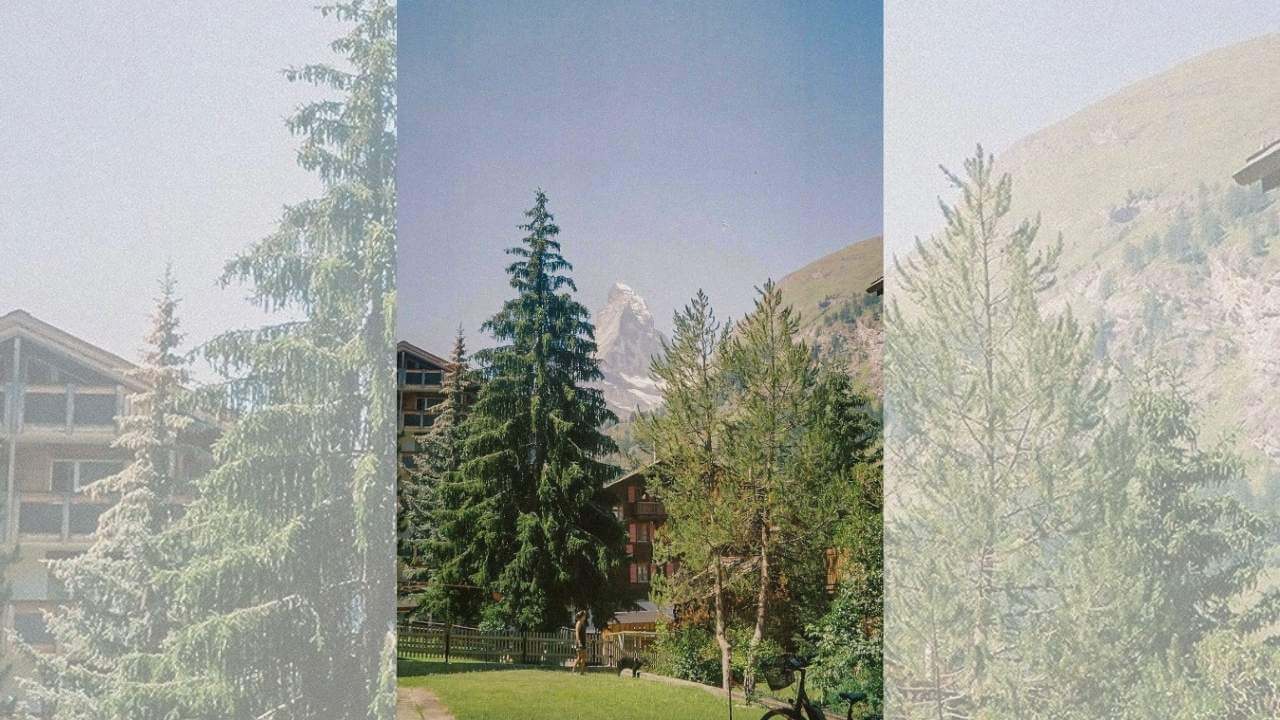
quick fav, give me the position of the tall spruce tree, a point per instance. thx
(287, 609)
(111, 632)
(993, 407)
(525, 519)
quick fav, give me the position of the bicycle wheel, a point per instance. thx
(783, 714)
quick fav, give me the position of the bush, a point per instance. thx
(847, 643)
(768, 655)
(688, 652)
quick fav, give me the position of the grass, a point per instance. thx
(478, 691)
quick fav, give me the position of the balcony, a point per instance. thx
(649, 508)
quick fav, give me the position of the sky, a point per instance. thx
(962, 72)
(138, 133)
(682, 146)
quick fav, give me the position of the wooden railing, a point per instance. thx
(438, 641)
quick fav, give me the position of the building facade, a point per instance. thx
(419, 387)
(642, 516)
(59, 400)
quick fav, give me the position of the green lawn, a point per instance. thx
(474, 691)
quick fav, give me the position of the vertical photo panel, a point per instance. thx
(197, 434)
(1080, 446)
(639, 360)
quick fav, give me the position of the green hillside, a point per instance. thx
(1164, 253)
(838, 317)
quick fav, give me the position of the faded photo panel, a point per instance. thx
(1081, 360)
(638, 352)
(197, 429)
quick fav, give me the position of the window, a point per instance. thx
(40, 519)
(45, 409)
(64, 476)
(83, 518)
(641, 532)
(74, 475)
(31, 627)
(640, 572)
(631, 493)
(95, 410)
(423, 377)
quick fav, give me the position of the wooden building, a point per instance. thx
(419, 387)
(59, 400)
(642, 516)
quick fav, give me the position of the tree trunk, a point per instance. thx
(722, 637)
(762, 605)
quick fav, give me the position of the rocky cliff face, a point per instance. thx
(626, 339)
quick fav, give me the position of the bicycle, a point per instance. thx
(802, 708)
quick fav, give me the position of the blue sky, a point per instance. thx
(682, 145)
(142, 132)
(960, 72)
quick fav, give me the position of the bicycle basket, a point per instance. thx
(778, 676)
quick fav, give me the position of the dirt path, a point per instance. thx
(415, 703)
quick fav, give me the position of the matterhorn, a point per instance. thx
(626, 340)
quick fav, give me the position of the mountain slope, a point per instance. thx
(1163, 252)
(839, 319)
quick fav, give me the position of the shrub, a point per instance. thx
(847, 643)
(688, 652)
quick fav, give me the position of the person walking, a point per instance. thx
(580, 641)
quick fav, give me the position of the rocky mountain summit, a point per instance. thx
(626, 340)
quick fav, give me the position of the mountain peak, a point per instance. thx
(626, 341)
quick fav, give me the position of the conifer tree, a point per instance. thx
(993, 408)
(526, 519)
(111, 633)
(688, 436)
(775, 381)
(438, 455)
(287, 609)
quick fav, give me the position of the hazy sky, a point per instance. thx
(959, 72)
(682, 145)
(136, 132)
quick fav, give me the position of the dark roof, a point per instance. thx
(406, 346)
(877, 287)
(1263, 165)
(636, 474)
(21, 322)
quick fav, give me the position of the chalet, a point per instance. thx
(877, 287)
(1262, 166)
(641, 515)
(59, 400)
(419, 386)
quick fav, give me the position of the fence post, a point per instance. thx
(524, 647)
(447, 628)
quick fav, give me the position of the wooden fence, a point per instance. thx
(439, 641)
